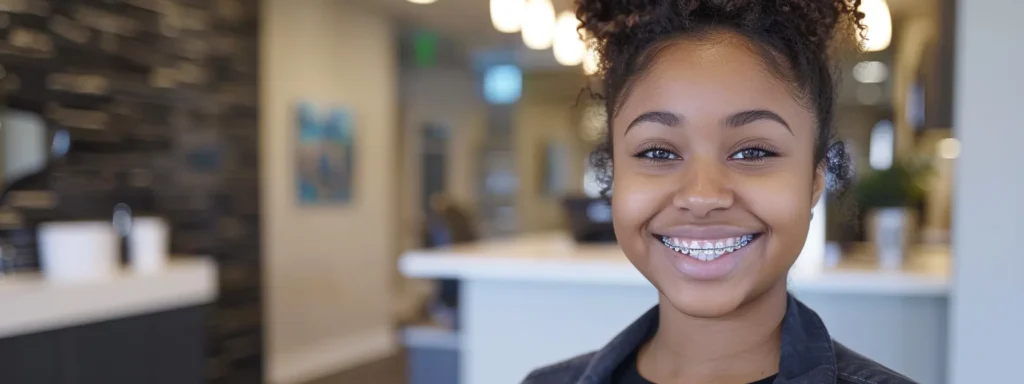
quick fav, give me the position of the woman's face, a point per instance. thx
(714, 175)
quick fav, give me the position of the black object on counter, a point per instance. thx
(590, 219)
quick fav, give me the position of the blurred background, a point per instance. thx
(398, 191)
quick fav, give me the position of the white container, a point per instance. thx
(148, 244)
(891, 232)
(76, 251)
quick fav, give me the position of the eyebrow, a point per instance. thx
(737, 119)
(658, 117)
(746, 117)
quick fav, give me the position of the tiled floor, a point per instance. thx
(388, 371)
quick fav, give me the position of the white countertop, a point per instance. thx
(29, 304)
(555, 257)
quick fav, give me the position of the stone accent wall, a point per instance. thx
(161, 100)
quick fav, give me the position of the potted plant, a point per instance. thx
(890, 199)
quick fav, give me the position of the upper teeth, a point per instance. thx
(707, 249)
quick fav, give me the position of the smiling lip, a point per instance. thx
(707, 253)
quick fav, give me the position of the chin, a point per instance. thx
(705, 302)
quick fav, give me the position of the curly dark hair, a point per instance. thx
(793, 37)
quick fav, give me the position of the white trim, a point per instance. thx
(332, 356)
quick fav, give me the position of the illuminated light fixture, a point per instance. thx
(882, 146)
(422, 1)
(948, 148)
(503, 84)
(507, 15)
(870, 72)
(569, 49)
(878, 23)
(590, 65)
(538, 24)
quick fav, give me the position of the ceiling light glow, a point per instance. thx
(878, 23)
(870, 72)
(507, 15)
(569, 49)
(538, 24)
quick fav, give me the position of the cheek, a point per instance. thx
(782, 202)
(635, 199)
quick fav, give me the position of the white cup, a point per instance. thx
(74, 251)
(148, 244)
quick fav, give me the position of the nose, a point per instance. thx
(703, 189)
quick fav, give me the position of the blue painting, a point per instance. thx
(325, 155)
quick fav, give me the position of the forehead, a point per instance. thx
(711, 77)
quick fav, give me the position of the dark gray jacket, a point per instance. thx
(809, 355)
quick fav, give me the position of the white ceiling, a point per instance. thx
(468, 22)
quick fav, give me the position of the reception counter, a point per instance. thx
(126, 329)
(31, 304)
(536, 299)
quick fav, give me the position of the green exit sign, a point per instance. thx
(425, 49)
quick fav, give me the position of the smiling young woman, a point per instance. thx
(720, 140)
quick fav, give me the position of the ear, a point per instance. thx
(818, 186)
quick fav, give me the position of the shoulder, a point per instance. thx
(854, 368)
(566, 371)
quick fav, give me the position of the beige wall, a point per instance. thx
(914, 36)
(328, 268)
(547, 112)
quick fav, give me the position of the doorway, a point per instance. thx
(434, 162)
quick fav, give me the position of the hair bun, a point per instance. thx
(603, 19)
(817, 20)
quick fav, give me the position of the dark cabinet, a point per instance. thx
(165, 347)
(29, 359)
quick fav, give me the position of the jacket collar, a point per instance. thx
(807, 355)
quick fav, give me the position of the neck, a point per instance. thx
(741, 347)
